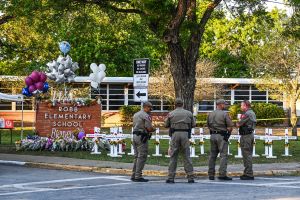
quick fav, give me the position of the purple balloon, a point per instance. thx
(28, 81)
(39, 85)
(43, 77)
(35, 76)
(32, 88)
(81, 135)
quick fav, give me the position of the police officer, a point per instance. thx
(142, 128)
(180, 122)
(220, 126)
(246, 127)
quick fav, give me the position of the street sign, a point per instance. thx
(141, 79)
(141, 66)
(140, 94)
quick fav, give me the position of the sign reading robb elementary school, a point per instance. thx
(62, 120)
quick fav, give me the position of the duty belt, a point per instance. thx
(216, 132)
(181, 130)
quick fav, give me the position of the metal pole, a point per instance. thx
(22, 124)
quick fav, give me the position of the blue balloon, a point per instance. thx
(64, 47)
(46, 87)
(25, 91)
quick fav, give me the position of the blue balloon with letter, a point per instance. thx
(25, 91)
(64, 47)
(46, 87)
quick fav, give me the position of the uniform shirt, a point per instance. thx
(180, 119)
(141, 121)
(219, 120)
(248, 119)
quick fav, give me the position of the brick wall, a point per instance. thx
(63, 119)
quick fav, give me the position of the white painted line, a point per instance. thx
(279, 185)
(65, 180)
(61, 189)
(12, 162)
(283, 183)
(275, 178)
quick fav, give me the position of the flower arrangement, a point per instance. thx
(111, 142)
(35, 143)
(156, 142)
(192, 144)
(287, 144)
(238, 143)
(201, 142)
(121, 142)
(18, 145)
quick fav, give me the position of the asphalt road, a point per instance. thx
(19, 182)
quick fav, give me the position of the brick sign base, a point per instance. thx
(62, 120)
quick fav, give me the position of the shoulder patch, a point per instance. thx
(148, 117)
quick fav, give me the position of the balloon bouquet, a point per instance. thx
(98, 74)
(36, 84)
(62, 70)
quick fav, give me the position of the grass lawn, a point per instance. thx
(278, 149)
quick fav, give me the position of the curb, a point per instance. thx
(158, 173)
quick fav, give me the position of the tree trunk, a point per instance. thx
(183, 73)
(294, 117)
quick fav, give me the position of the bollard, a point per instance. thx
(201, 142)
(239, 147)
(286, 143)
(120, 142)
(157, 154)
(254, 155)
(131, 146)
(270, 145)
(266, 142)
(192, 145)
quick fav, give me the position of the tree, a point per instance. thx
(277, 65)
(180, 24)
(162, 85)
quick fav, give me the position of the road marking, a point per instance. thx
(275, 178)
(122, 178)
(284, 183)
(11, 162)
(61, 189)
(277, 185)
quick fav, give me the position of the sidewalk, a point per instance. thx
(108, 167)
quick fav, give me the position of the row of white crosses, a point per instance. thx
(116, 148)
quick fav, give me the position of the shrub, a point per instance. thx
(262, 111)
(127, 113)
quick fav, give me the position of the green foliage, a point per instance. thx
(262, 111)
(201, 119)
(127, 113)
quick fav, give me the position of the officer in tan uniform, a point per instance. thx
(246, 127)
(220, 126)
(180, 122)
(142, 128)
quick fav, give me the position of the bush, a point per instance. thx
(262, 111)
(127, 113)
(202, 118)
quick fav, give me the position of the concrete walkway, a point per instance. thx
(125, 168)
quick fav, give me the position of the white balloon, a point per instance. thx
(94, 67)
(102, 67)
(70, 79)
(61, 68)
(60, 59)
(94, 84)
(67, 72)
(74, 66)
(92, 77)
(102, 76)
